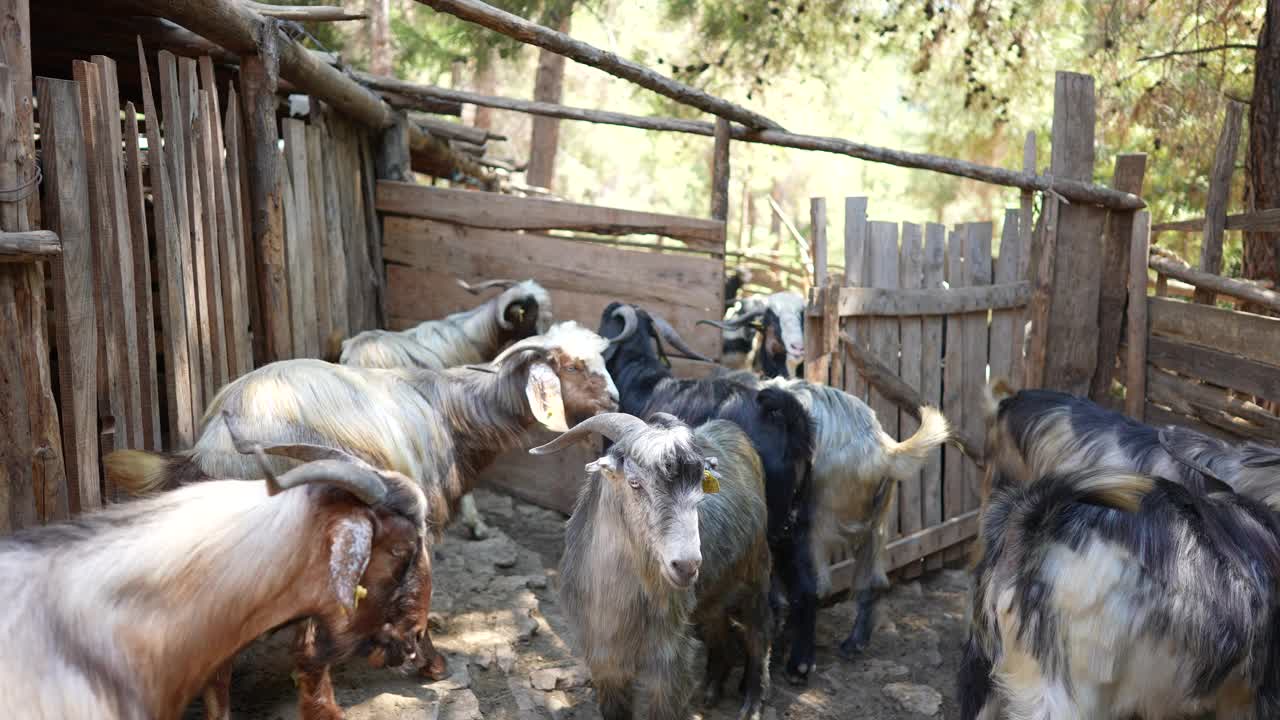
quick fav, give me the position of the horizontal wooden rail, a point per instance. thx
(1260, 221)
(913, 547)
(1221, 285)
(1229, 331)
(29, 246)
(1216, 367)
(934, 301)
(305, 13)
(503, 212)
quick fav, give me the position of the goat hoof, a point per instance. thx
(436, 668)
(481, 532)
(798, 676)
(850, 650)
(710, 698)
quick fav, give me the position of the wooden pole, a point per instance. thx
(259, 73)
(1113, 293)
(29, 246)
(1135, 395)
(720, 171)
(1070, 189)
(1215, 221)
(533, 34)
(391, 160)
(1215, 284)
(818, 225)
(304, 13)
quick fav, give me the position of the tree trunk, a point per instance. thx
(486, 83)
(1262, 160)
(380, 62)
(548, 86)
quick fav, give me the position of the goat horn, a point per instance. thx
(304, 452)
(614, 426)
(362, 482)
(669, 334)
(629, 323)
(480, 287)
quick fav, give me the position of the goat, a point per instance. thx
(856, 470)
(1032, 432)
(733, 282)
(477, 335)
(127, 612)
(780, 349)
(1108, 595)
(439, 427)
(773, 419)
(668, 532)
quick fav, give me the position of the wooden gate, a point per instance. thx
(933, 310)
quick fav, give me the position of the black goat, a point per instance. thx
(733, 282)
(779, 321)
(780, 432)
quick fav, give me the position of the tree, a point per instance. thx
(548, 86)
(1262, 159)
(380, 37)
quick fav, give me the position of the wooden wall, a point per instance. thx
(433, 236)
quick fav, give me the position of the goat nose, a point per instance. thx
(686, 571)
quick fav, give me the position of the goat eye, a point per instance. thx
(634, 483)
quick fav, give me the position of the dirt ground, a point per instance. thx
(496, 617)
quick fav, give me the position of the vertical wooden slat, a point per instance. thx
(142, 284)
(333, 226)
(1215, 211)
(66, 213)
(1042, 297)
(1004, 347)
(720, 171)
(818, 354)
(883, 332)
(818, 230)
(18, 503)
(1114, 291)
(177, 360)
(934, 270)
(242, 283)
(198, 221)
(300, 250)
(319, 238)
(216, 316)
(176, 128)
(297, 325)
(376, 310)
(953, 378)
(353, 227)
(1018, 372)
(855, 275)
(911, 329)
(1136, 338)
(977, 255)
(227, 244)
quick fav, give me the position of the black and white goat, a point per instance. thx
(472, 336)
(668, 534)
(130, 611)
(765, 334)
(856, 470)
(1108, 595)
(774, 420)
(440, 428)
(1033, 432)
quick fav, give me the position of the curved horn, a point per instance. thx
(735, 322)
(629, 323)
(485, 285)
(304, 452)
(362, 482)
(614, 426)
(669, 334)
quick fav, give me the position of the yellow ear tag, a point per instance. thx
(361, 592)
(709, 482)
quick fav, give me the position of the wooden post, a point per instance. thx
(1113, 293)
(1215, 212)
(1038, 312)
(1072, 327)
(258, 80)
(720, 171)
(855, 275)
(818, 230)
(392, 159)
(1136, 333)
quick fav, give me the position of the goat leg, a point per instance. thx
(800, 577)
(217, 694)
(615, 696)
(315, 694)
(432, 665)
(755, 639)
(471, 519)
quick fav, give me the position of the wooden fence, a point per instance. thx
(432, 236)
(154, 296)
(933, 309)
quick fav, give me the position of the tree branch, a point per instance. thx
(1198, 51)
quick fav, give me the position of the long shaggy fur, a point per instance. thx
(1103, 594)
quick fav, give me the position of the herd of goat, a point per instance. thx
(1121, 570)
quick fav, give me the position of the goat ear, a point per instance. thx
(350, 545)
(543, 392)
(604, 464)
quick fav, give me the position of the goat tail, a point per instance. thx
(138, 472)
(992, 393)
(908, 456)
(1110, 488)
(333, 347)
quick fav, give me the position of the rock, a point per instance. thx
(920, 699)
(954, 580)
(561, 678)
(459, 680)
(535, 582)
(877, 669)
(487, 658)
(932, 657)
(461, 705)
(506, 557)
(885, 625)
(506, 657)
(388, 705)
(436, 623)
(544, 679)
(494, 504)
(913, 589)
(526, 627)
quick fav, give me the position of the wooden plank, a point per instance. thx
(1113, 293)
(1160, 417)
(177, 363)
(1229, 331)
(206, 147)
(1137, 333)
(953, 480)
(198, 222)
(1217, 367)
(1258, 221)
(931, 376)
(150, 392)
(333, 226)
(29, 246)
(921, 544)
(19, 501)
(720, 172)
(66, 213)
(366, 208)
(977, 256)
(301, 248)
(883, 332)
(1213, 405)
(1025, 208)
(1215, 223)
(936, 301)
(1038, 342)
(1216, 284)
(855, 275)
(297, 321)
(911, 330)
(319, 237)
(505, 212)
(818, 232)
(346, 176)
(1005, 353)
(226, 240)
(242, 286)
(177, 130)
